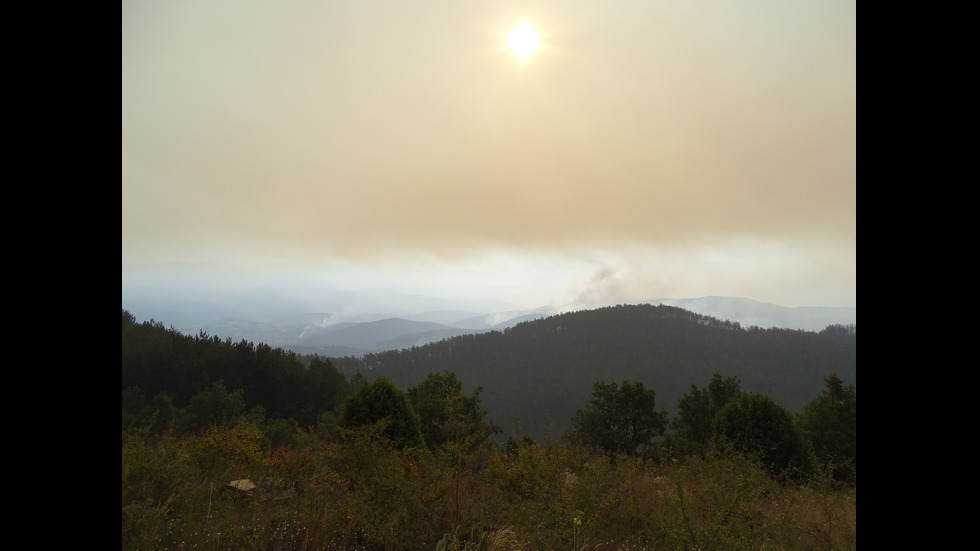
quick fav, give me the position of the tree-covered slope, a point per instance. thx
(160, 361)
(539, 373)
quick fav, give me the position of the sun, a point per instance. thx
(523, 40)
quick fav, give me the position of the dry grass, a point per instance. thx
(363, 495)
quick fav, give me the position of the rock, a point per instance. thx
(242, 484)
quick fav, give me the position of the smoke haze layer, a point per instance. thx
(647, 150)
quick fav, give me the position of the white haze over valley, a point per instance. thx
(339, 317)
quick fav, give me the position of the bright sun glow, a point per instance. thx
(523, 40)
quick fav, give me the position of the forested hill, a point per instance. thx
(539, 373)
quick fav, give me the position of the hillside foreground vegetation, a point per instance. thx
(237, 446)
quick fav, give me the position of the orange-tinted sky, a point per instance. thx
(648, 150)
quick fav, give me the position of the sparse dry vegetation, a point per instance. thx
(358, 492)
(373, 467)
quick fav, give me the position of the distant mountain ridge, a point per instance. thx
(340, 334)
(749, 313)
(328, 335)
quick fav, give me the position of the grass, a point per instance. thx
(362, 494)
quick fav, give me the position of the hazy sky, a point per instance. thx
(649, 149)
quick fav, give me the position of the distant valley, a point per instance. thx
(340, 334)
(327, 334)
